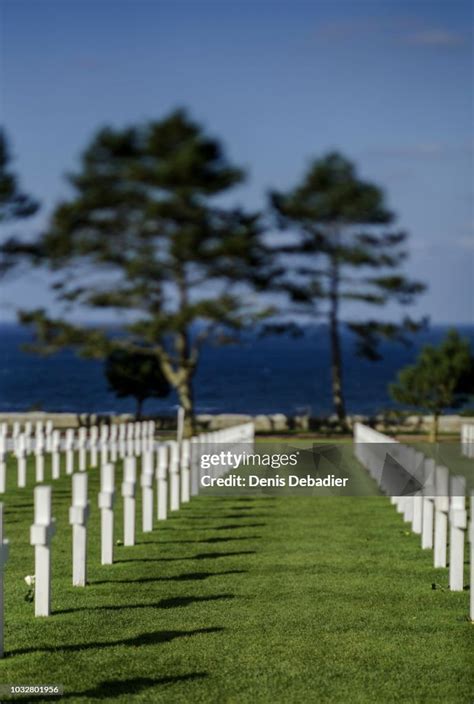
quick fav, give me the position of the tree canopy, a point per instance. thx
(146, 233)
(441, 378)
(136, 374)
(15, 204)
(342, 248)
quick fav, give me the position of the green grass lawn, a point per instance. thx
(242, 600)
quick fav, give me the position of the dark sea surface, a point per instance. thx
(267, 375)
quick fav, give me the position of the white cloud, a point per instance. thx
(442, 38)
(422, 150)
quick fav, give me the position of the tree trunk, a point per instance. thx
(336, 358)
(433, 437)
(138, 412)
(185, 395)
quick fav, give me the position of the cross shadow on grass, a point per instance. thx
(175, 602)
(210, 540)
(173, 529)
(115, 688)
(199, 556)
(110, 689)
(219, 516)
(153, 638)
(237, 526)
(185, 577)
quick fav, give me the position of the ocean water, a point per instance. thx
(276, 374)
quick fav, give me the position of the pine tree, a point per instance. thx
(14, 203)
(441, 378)
(341, 249)
(146, 233)
(136, 374)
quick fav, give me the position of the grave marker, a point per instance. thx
(81, 444)
(41, 533)
(106, 505)
(21, 460)
(428, 504)
(471, 541)
(104, 446)
(55, 454)
(129, 507)
(93, 439)
(113, 443)
(174, 475)
(441, 516)
(185, 471)
(78, 515)
(70, 441)
(39, 456)
(3, 561)
(49, 431)
(162, 483)
(147, 491)
(3, 463)
(458, 525)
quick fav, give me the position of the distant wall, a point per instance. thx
(276, 422)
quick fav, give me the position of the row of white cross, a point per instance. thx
(439, 504)
(467, 439)
(173, 467)
(102, 443)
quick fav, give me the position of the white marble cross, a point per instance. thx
(93, 439)
(418, 473)
(129, 506)
(41, 533)
(3, 463)
(180, 425)
(78, 515)
(130, 450)
(104, 444)
(70, 442)
(39, 456)
(471, 551)
(106, 505)
(195, 466)
(162, 483)
(16, 430)
(27, 432)
(55, 454)
(49, 431)
(441, 516)
(174, 475)
(122, 429)
(3, 561)
(151, 434)
(185, 471)
(21, 459)
(429, 490)
(82, 446)
(113, 442)
(458, 526)
(138, 439)
(146, 480)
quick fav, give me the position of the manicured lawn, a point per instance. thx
(243, 600)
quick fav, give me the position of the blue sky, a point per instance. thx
(388, 83)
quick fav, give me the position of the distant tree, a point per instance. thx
(136, 374)
(145, 234)
(14, 203)
(441, 378)
(340, 250)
